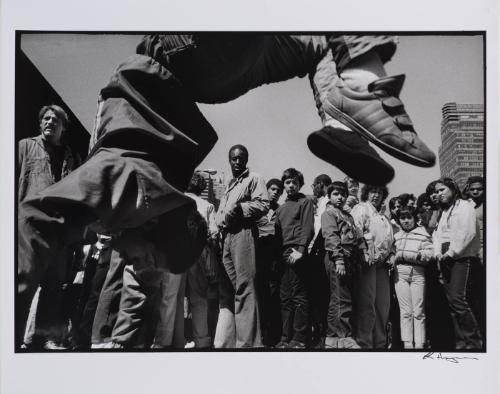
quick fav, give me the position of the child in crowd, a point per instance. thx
(352, 191)
(413, 251)
(342, 241)
(295, 228)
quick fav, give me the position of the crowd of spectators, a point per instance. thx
(344, 268)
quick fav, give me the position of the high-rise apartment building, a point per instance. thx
(215, 186)
(461, 153)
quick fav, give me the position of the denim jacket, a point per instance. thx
(35, 172)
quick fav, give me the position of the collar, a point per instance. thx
(238, 179)
(295, 197)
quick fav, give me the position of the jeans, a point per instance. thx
(319, 290)
(267, 279)
(372, 292)
(476, 292)
(294, 295)
(340, 305)
(410, 290)
(467, 333)
(149, 136)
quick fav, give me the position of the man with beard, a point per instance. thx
(43, 161)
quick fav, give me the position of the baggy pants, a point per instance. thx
(170, 328)
(149, 135)
(240, 328)
(372, 292)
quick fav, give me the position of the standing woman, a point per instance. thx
(456, 244)
(373, 287)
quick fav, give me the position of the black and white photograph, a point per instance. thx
(229, 199)
(311, 239)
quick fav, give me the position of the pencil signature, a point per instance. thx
(439, 356)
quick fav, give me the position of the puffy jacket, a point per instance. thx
(377, 231)
(413, 247)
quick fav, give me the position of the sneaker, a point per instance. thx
(107, 345)
(281, 345)
(331, 343)
(296, 345)
(379, 116)
(348, 343)
(51, 345)
(351, 154)
(189, 345)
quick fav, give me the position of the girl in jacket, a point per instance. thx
(456, 244)
(413, 251)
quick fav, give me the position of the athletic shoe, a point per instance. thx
(379, 116)
(281, 345)
(296, 345)
(351, 154)
(348, 343)
(331, 343)
(51, 345)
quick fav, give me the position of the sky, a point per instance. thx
(273, 121)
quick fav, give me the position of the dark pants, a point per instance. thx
(267, 286)
(439, 325)
(476, 293)
(95, 275)
(394, 323)
(319, 287)
(294, 297)
(50, 322)
(108, 303)
(467, 334)
(340, 305)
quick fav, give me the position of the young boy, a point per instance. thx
(295, 227)
(342, 243)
